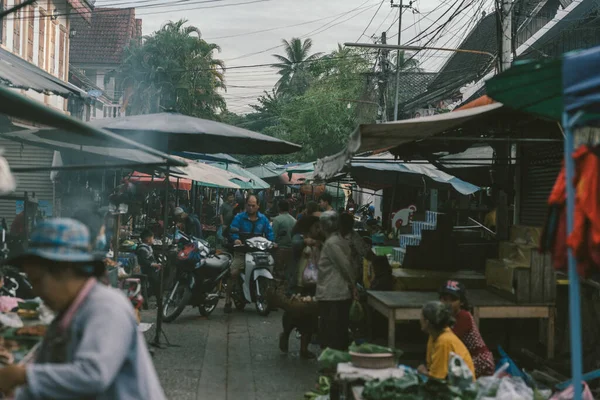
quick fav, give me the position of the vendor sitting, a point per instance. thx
(436, 320)
(454, 295)
(150, 267)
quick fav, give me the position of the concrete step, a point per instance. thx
(420, 226)
(398, 254)
(432, 216)
(514, 253)
(528, 235)
(409, 240)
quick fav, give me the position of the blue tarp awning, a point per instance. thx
(581, 82)
(381, 171)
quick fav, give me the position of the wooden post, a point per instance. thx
(391, 329)
(550, 333)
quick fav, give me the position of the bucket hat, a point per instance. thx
(453, 288)
(60, 239)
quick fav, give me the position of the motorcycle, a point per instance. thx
(257, 278)
(199, 272)
(16, 284)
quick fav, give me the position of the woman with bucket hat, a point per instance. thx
(454, 295)
(93, 348)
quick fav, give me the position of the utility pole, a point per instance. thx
(382, 80)
(506, 42)
(398, 66)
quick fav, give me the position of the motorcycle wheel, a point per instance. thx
(178, 298)
(262, 304)
(209, 306)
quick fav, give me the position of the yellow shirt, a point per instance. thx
(438, 354)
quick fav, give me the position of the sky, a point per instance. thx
(249, 32)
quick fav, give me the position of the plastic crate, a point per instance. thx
(383, 250)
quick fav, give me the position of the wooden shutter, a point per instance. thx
(30, 32)
(52, 48)
(17, 30)
(42, 44)
(62, 52)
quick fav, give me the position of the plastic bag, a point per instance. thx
(357, 312)
(568, 394)
(310, 274)
(459, 374)
(512, 369)
(507, 388)
(329, 359)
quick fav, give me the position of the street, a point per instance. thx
(233, 356)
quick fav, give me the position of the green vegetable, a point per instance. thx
(357, 313)
(329, 359)
(369, 348)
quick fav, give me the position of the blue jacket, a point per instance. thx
(107, 357)
(262, 226)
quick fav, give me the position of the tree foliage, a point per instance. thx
(294, 66)
(174, 68)
(336, 99)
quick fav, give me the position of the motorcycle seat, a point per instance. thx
(219, 263)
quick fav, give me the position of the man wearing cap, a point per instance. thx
(93, 348)
(191, 223)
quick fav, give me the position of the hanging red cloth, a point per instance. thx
(585, 238)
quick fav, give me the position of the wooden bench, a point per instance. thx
(407, 305)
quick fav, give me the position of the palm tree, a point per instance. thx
(293, 67)
(407, 64)
(173, 68)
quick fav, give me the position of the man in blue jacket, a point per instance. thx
(244, 226)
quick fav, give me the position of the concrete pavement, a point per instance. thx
(230, 357)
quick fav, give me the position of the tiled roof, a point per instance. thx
(103, 41)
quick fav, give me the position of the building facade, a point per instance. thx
(96, 52)
(34, 55)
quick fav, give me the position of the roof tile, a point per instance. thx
(104, 40)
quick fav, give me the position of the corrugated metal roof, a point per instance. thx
(18, 73)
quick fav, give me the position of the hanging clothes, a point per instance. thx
(585, 238)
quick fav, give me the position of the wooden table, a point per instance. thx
(406, 306)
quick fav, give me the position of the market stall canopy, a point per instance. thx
(82, 155)
(549, 87)
(381, 171)
(300, 168)
(380, 137)
(157, 181)
(17, 73)
(171, 132)
(219, 157)
(210, 176)
(266, 171)
(73, 130)
(254, 182)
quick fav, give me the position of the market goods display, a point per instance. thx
(36, 330)
(28, 314)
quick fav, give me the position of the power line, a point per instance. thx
(371, 21)
(187, 3)
(310, 33)
(276, 28)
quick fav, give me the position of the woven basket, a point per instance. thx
(373, 361)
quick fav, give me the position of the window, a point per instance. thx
(3, 24)
(42, 42)
(52, 49)
(17, 30)
(30, 32)
(62, 52)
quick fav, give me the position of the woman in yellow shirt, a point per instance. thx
(436, 320)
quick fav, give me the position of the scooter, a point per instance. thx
(199, 276)
(257, 278)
